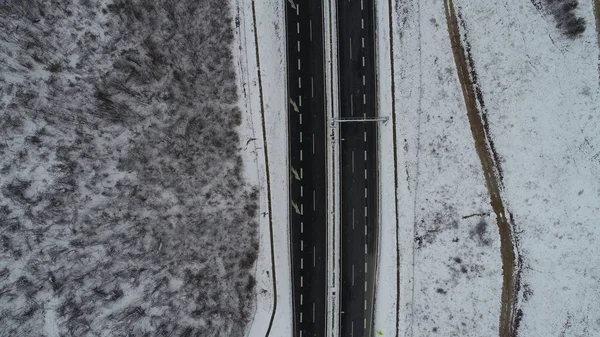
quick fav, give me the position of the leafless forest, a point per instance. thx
(123, 211)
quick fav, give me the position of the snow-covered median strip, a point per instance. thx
(333, 167)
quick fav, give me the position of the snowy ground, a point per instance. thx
(445, 262)
(541, 92)
(270, 30)
(541, 89)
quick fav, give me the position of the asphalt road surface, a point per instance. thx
(307, 142)
(359, 208)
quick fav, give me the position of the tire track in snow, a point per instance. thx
(509, 315)
(395, 138)
(597, 16)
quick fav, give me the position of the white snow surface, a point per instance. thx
(542, 93)
(542, 96)
(450, 278)
(271, 48)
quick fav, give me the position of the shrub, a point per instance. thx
(566, 21)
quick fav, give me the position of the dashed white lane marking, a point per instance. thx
(362, 23)
(298, 46)
(300, 82)
(363, 61)
(310, 28)
(352, 161)
(314, 257)
(301, 190)
(301, 299)
(314, 201)
(300, 155)
(365, 192)
(301, 227)
(300, 136)
(364, 323)
(365, 136)
(365, 249)
(364, 98)
(297, 9)
(300, 330)
(366, 269)
(298, 27)
(363, 42)
(352, 329)
(313, 143)
(301, 281)
(301, 245)
(365, 174)
(313, 313)
(312, 87)
(366, 211)
(351, 104)
(350, 48)
(353, 275)
(300, 119)
(353, 218)
(300, 320)
(301, 266)
(364, 80)
(365, 304)
(365, 230)
(365, 160)
(299, 65)
(301, 173)
(362, 5)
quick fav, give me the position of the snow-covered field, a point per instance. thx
(541, 90)
(542, 96)
(450, 271)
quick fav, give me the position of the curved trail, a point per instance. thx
(509, 316)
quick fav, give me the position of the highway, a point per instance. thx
(307, 144)
(359, 183)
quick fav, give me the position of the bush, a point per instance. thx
(566, 21)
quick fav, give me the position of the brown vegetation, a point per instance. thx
(477, 116)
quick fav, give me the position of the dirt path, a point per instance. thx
(509, 317)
